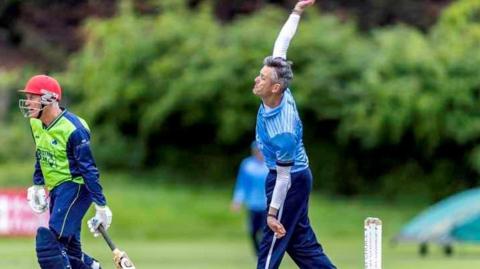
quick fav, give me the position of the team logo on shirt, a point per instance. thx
(46, 158)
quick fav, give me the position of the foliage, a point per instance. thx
(15, 137)
(395, 111)
(177, 79)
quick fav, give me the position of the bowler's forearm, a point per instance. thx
(282, 184)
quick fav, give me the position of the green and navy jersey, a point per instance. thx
(279, 134)
(63, 154)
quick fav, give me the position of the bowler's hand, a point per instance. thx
(276, 227)
(301, 5)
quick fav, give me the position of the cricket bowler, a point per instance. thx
(279, 134)
(250, 191)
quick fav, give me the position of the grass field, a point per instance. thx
(222, 254)
(166, 225)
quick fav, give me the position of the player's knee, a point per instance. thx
(91, 262)
(78, 263)
(50, 253)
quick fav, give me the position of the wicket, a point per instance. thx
(373, 243)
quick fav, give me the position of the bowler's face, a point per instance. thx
(263, 82)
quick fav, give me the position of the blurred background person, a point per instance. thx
(250, 191)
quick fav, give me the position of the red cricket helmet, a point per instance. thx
(43, 84)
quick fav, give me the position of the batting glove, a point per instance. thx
(102, 216)
(37, 198)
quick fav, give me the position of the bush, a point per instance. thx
(393, 108)
(15, 135)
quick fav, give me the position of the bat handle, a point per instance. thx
(107, 238)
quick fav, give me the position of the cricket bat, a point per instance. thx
(120, 258)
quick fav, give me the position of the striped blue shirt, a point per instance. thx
(279, 134)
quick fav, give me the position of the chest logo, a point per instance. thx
(46, 158)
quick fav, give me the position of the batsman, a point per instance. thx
(66, 168)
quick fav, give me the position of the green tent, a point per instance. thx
(454, 219)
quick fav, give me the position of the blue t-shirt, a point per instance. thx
(250, 186)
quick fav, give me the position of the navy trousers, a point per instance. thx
(300, 241)
(69, 203)
(257, 223)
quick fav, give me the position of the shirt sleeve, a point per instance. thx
(38, 178)
(79, 143)
(240, 187)
(285, 148)
(285, 36)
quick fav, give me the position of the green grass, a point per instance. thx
(164, 224)
(236, 253)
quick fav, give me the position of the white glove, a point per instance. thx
(103, 216)
(37, 198)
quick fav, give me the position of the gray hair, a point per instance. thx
(283, 70)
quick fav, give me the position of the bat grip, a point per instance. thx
(106, 237)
